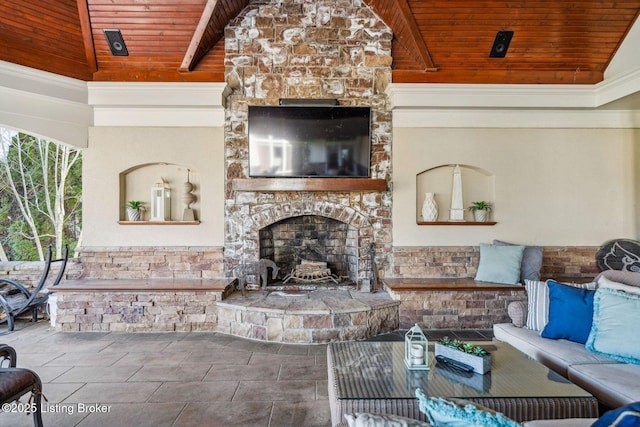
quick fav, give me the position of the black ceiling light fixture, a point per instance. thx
(116, 43)
(501, 44)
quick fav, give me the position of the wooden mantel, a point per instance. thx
(309, 184)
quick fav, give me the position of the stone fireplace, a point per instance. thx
(308, 50)
(313, 238)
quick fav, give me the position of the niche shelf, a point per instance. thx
(159, 222)
(136, 182)
(477, 184)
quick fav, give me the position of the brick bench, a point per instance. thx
(140, 305)
(452, 303)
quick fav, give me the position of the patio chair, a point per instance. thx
(16, 299)
(16, 382)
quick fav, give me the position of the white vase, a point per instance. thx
(429, 208)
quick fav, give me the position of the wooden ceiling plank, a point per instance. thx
(189, 61)
(87, 35)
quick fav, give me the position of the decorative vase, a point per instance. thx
(133, 214)
(480, 215)
(429, 208)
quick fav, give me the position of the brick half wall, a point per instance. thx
(462, 261)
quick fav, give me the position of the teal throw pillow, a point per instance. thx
(460, 413)
(616, 314)
(570, 313)
(500, 264)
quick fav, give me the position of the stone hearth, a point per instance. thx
(315, 316)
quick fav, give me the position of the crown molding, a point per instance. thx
(44, 104)
(505, 118)
(157, 104)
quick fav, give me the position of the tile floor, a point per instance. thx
(177, 379)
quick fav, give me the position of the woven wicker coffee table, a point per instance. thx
(371, 377)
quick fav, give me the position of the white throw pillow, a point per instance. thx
(538, 302)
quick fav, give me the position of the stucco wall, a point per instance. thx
(552, 186)
(113, 150)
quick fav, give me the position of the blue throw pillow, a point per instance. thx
(460, 413)
(625, 416)
(570, 313)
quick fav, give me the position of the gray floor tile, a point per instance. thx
(296, 414)
(121, 392)
(195, 391)
(222, 414)
(303, 373)
(272, 391)
(243, 373)
(152, 359)
(224, 356)
(86, 359)
(186, 372)
(135, 414)
(89, 374)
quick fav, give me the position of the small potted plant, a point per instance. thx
(469, 354)
(480, 211)
(135, 209)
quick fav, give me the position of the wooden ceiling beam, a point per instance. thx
(411, 38)
(399, 16)
(199, 43)
(87, 35)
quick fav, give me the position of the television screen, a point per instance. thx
(297, 141)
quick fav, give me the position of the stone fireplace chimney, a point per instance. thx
(307, 49)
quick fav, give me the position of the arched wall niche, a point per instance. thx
(136, 183)
(478, 184)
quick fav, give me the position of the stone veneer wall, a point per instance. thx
(462, 261)
(158, 311)
(175, 262)
(28, 273)
(456, 309)
(306, 49)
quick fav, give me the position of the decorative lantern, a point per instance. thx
(160, 201)
(416, 349)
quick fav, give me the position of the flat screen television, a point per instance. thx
(309, 141)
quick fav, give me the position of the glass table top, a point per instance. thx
(376, 370)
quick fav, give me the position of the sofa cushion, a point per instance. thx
(616, 314)
(555, 354)
(613, 384)
(570, 313)
(531, 260)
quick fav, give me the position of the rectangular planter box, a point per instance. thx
(480, 365)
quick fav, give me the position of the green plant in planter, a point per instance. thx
(135, 209)
(136, 205)
(464, 346)
(480, 206)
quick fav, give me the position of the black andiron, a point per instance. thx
(374, 269)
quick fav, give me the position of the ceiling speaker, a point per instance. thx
(116, 43)
(501, 44)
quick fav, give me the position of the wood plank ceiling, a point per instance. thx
(443, 41)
